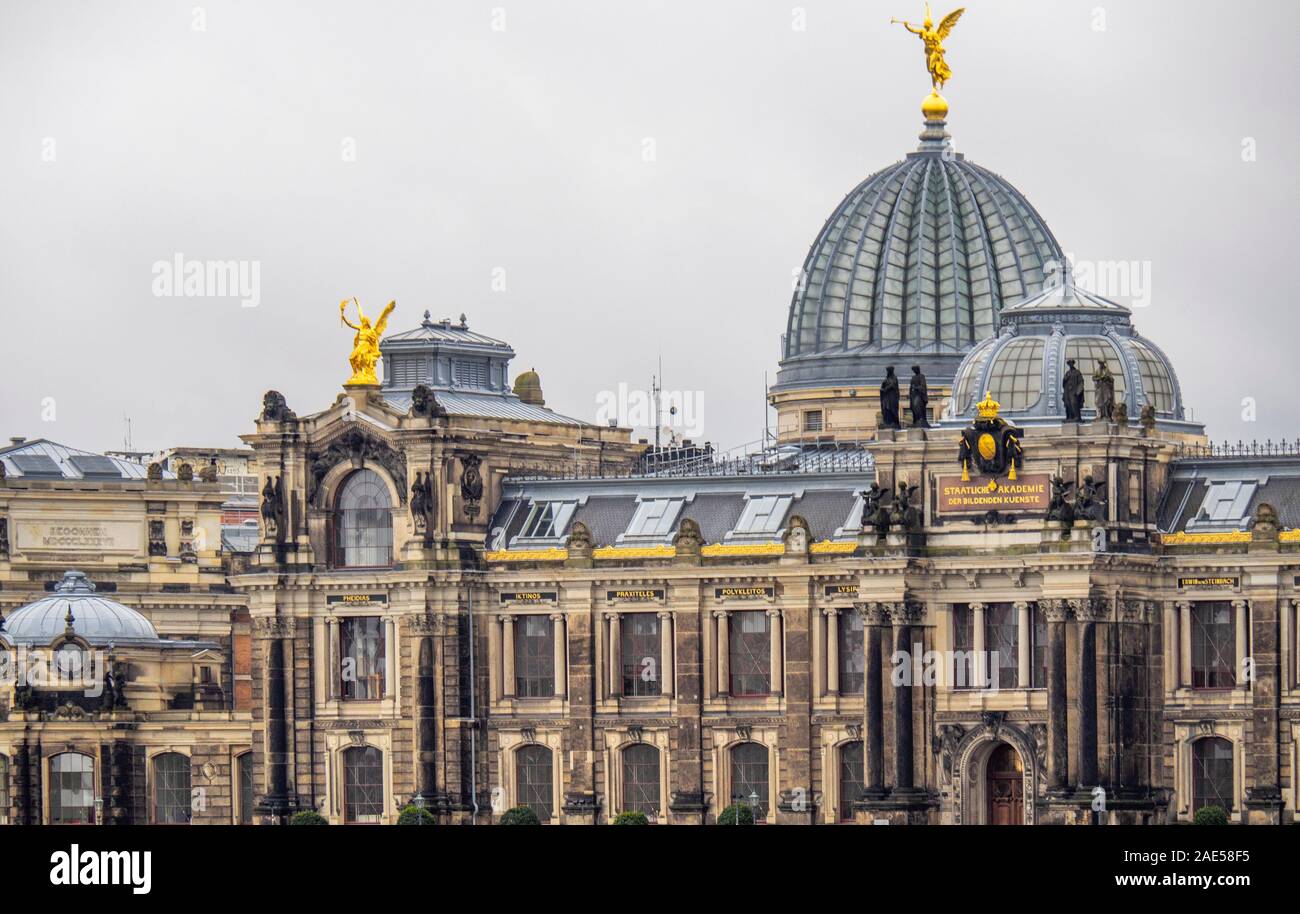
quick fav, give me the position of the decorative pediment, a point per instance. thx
(356, 444)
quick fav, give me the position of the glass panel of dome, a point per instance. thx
(1017, 377)
(966, 380)
(1156, 384)
(1087, 352)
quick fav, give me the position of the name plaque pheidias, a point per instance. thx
(1029, 494)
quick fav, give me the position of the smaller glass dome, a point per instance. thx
(1024, 365)
(74, 607)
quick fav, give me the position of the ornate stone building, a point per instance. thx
(1039, 598)
(125, 685)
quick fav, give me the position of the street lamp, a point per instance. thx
(753, 806)
(419, 805)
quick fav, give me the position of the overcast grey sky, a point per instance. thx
(127, 135)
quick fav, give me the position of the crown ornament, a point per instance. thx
(988, 407)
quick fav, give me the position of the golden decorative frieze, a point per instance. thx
(527, 555)
(727, 550)
(1182, 538)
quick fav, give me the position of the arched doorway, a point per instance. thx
(1006, 786)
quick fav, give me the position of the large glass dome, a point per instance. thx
(1024, 365)
(913, 267)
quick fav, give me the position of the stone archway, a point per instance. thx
(971, 776)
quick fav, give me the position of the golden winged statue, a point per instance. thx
(365, 345)
(933, 38)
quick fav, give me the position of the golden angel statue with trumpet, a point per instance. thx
(365, 345)
(933, 38)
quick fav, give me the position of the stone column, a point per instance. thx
(1243, 643)
(1169, 638)
(334, 661)
(832, 651)
(1024, 628)
(666, 675)
(723, 642)
(977, 640)
(390, 657)
(275, 631)
(1058, 755)
(875, 619)
(508, 656)
(614, 621)
(1088, 612)
(775, 645)
(320, 659)
(560, 655)
(426, 712)
(1185, 644)
(903, 616)
(496, 661)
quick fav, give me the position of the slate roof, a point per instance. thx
(65, 461)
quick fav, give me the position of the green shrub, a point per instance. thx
(308, 817)
(414, 815)
(1210, 815)
(631, 818)
(737, 814)
(520, 815)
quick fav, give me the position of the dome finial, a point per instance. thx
(934, 108)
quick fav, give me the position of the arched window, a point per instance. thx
(851, 778)
(749, 777)
(1212, 773)
(171, 789)
(247, 790)
(363, 522)
(363, 784)
(533, 780)
(641, 779)
(72, 789)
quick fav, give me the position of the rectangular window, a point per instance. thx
(1214, 645)
(853, 660)
(534, 657)
(1002, 645)
(963, 645)
(246, 789)
(639, 642)
(362, 675)
(812, 420)
(749, 637)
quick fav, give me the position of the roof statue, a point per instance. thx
(365, 345)
(934, 107)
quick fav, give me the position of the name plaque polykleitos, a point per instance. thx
(744, 593)
(633, 595)
(1211, 582)
(1030, 494)
(528, 596)
(356, 599)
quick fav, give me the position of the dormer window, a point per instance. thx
(547, 520)
(763, 514)
(654, 517)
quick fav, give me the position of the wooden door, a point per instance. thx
(1006, 786)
